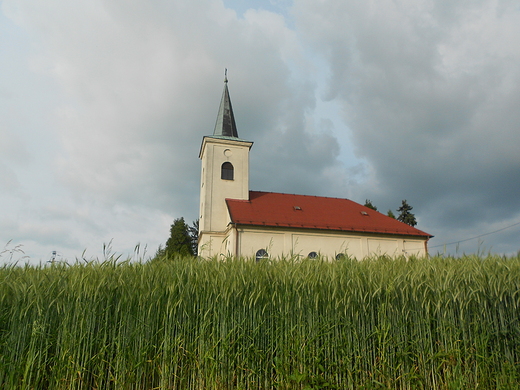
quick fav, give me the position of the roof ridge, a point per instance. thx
(307, 196)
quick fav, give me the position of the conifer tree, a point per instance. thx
(193, 232)
(368, 203)
(180, 241)
(405, 215)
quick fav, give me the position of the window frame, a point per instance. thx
(227, 171)
(261, 254)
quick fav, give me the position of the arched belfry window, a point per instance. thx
(227, 171)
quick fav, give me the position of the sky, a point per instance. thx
(103, 106)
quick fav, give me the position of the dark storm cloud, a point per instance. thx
(429, 91)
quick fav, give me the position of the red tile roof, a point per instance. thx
(313, 212)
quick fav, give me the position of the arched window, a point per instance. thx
(261, 254)
(312, 255)
(227, 171)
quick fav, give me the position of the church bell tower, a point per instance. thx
(225, 174)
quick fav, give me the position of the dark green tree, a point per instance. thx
(193, 232)
(180, 241)
(391, 214)
(405, 215)
(368, 203)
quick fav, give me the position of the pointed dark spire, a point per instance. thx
(225, 125)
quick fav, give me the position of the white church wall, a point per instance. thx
(326, 245)
(414, 247)
(280, 242)
(379, 246)
(212, 244)
(252, 241)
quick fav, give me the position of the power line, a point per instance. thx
(473, 238)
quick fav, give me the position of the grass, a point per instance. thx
(183, 323)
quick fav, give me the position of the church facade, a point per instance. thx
(235, 221)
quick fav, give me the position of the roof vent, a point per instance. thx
(297, 208)
(364, 213)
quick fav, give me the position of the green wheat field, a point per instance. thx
(184, 323)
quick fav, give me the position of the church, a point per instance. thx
(235, 221)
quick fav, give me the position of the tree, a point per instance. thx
(405, 215)
(391, 214)
(183, 239)
(368, 203)
(180, 241)
(193, 232)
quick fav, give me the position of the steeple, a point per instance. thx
(225, 126)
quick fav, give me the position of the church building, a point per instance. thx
(235, 221)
